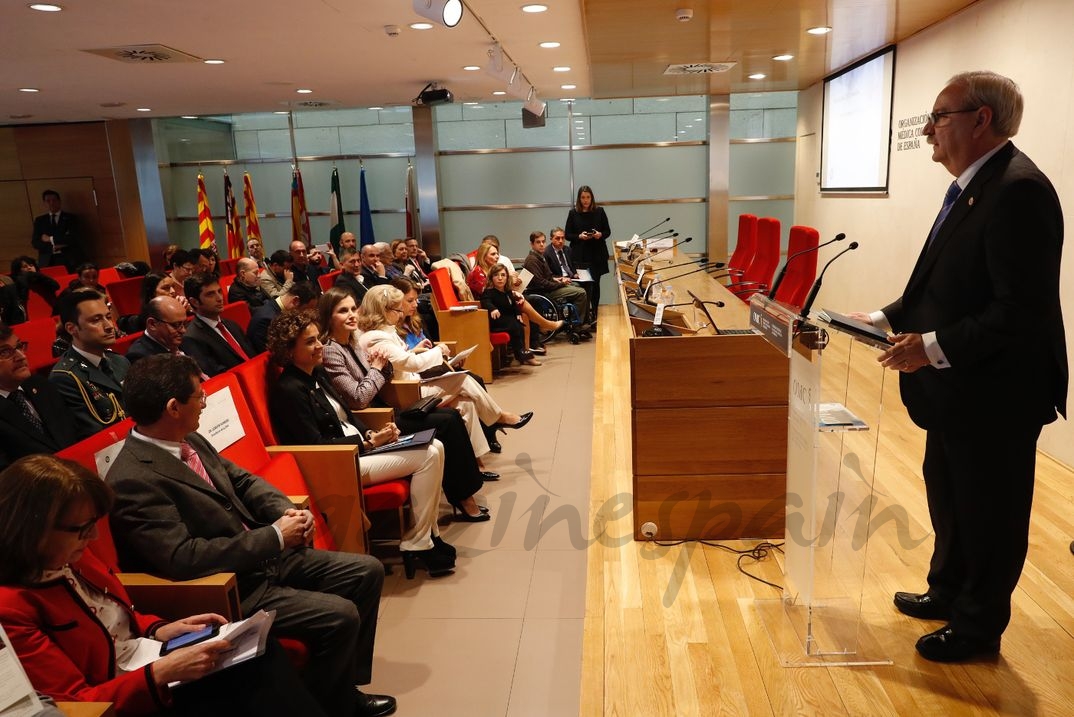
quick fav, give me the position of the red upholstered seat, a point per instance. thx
(800, 273)
(444, 295)
(39, 335)
(327, 281)
(237, 311)
(225, 283)
(108, 276)
(123, 343)
(126, 295)
(758, 275)
(227, 267)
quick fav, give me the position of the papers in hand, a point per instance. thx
(860, 330)
(583, 275)
(247, 637)
(458, 358)
(525, 276)
(449, 383)
(463, 309)
(410, 440)
(17, 695)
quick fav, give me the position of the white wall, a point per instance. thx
(1027, 41)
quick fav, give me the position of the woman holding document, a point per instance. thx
(73, 626)
(587, 230)
(305, 409)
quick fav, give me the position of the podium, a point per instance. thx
(835, 401)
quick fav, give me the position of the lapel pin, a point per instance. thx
(971, 201)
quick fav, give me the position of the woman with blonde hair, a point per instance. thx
(380, 314)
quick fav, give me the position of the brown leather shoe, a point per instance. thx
(924, 606)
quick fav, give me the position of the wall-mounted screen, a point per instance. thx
(856, 131)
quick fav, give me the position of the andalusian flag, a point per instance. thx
(234, 229)
(336, 212)
(205, 217)
(300, 218)
(253, 227)
(365, 221)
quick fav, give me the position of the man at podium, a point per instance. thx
(982, 360)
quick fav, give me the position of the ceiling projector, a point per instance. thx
(435, 97)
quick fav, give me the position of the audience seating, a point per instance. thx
(108, 276)
(123, 343)
(327, 281)
(126, 295)
(226, 280)
(56, 272)
(228, 267)
(37, 307)
(465, 327)
(239, 312)
(254, 377)
(745, 246)
(799, 274)
(40, 335)
(758, 275)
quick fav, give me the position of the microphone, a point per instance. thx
(694, 262)
(816, 285)
(654, 227)
(706, 267)
(779, 279)
(678, 243)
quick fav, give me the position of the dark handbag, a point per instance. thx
(420, 408)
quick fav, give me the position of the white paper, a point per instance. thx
(17, 695)
(525, 277)
(450, 382)
(220, 424)
(458, 358)
(106, 456)
(584, 275)
(464, 309)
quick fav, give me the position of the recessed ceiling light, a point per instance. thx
(189, 117)
(472, 68)
(45, 7)
(758, 76)
(822, 30)
(561, 68)
(183, 139)
(549, 45)
(566, 99)
(28, 89)
(144, 109)
(421, 26)
(499, 92)
(568, 87)
(213, 62)
(281, 112)
(304, 92)
(469, 103)
(534, 7)
(376, 108)
(783, 58)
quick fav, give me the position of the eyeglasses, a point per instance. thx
(935, 117)
(8, 352)
(393, 308)
(175, 325)
(84, 531)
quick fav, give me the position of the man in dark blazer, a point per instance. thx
(246, 286)
(300, 296)
(56, 235)
(982, 360)
(165, 327)
(33, 417)
(350, 278)
(184, 511)
(374, 273)
(217, 344)
(89, 375)
(558, 255)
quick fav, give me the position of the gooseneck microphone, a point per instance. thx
(816, 285)
(643, 257)
(693, 262)
(654, 226)
(779, 279)
(706, 267)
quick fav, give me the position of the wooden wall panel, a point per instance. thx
(66, 150)
(18, 222)
(717, 507)
(9, 156)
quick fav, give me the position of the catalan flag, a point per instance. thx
(234, 229)
(207, 237)
(300, 218)
(253, 227)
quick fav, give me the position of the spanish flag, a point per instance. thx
(205, 217)
(234, 229)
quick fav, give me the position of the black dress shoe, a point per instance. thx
(495, 446)
(949, 645)
(373, 705)
(1072, 546)
(489, 475)
(924, 606)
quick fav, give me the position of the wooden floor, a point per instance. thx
(675, 631)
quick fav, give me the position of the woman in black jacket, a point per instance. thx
(587, 230)
(305, 409)
(505, 314)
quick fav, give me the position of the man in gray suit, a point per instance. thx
(184, 511)
(89, 375)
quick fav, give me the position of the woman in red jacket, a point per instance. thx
(72, 624)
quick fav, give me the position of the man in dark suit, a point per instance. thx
(558, 255)
(217, 344)
(300, 296)
(374, 273)
(184, 511)
(350, 278)
(89, 376)
(982, 360)
(165, 327)
(246, 286)
(56, 235)
(33, 417)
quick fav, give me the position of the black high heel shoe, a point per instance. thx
(522, 421)
(446, 548)
(489, 475)
(459, 513)
(436, 563)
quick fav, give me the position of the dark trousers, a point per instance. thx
(462, 477)
(979, 485)
(329, 601)
(513, 328)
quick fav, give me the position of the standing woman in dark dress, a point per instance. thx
(587, 230)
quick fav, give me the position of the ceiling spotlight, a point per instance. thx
(472, 68)
(499, 93)
(28, 89)
(44, 7)
(213, 62)
(304, 92)
(822, 30)
(189, 117)
(568, 87)
(281, 112)
(533, 103)
(561, 68)
(144, 109)
(445, 12)
(534, 7)
(549, 45)
(783, 58)
(498, 67)
(421, 26)
(376, 108)
(758, 76)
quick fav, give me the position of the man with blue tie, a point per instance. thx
(981, 353)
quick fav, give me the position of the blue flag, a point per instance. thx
(366, 215)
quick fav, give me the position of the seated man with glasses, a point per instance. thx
(33, 417)
(165, 327)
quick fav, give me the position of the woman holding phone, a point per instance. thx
(587, 230)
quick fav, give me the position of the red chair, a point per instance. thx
(228, 267)
(56, 272)
(465, 327)
(254, 377)
(123, 343)
(37, 307)
(39, 335)
(745, 246)
(758, 275)
(327, 281)
(108, 275)
(225, 283)
(239, 312)
(798, 275)
(126, 295)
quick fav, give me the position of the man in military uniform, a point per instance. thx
(88, 375)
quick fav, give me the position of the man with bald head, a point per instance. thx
(980, 350)
(246, 286)
(347, 243)
(374, 272)
(165, 327)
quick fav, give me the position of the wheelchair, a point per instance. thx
(574, 327)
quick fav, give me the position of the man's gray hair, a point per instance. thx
(997, 92)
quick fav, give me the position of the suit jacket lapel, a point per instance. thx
(12, 416)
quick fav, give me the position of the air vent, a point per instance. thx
(699, 68)
(312, 104)
(144, 54)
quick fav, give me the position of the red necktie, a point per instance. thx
(193, 461)
(231, 341)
